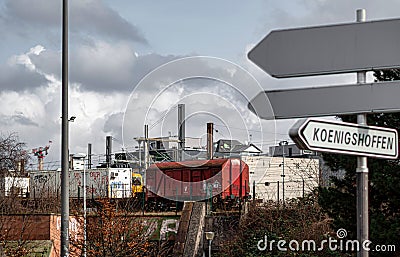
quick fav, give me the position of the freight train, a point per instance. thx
(224, 181)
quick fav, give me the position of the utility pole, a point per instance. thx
(64, 137)
(362, 171)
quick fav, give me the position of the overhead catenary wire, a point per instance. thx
(162, 117)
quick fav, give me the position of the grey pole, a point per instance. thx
(140, 156)
(283, 173)
(209, 248)
(84, 213)
(254, 191)
(362, 171)
(64, 137)
(283, 143)
(146, 147)
(277, 186)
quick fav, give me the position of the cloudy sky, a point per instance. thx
(131, 63)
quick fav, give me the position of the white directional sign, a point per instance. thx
(331, 49)
(348, 138)
(328, 101)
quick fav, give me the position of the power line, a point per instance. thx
(162, 117)
(253, 130)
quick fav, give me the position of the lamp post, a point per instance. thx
(209, 237)
(64, 242)
(283, 143)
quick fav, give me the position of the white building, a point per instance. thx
(290, 150)
(276, 178)
(77, 161)
(14, 186)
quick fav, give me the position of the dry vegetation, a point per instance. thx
(298, 220)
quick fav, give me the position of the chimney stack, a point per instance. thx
(210, 138)
(89, 154)
(108, 151)
(181, 132)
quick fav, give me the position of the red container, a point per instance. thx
(198, 180)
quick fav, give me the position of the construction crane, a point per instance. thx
(40, 153)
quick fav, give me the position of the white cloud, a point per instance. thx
(100, 65)
(85, 17)
(34, 113)
(36, 117)
(19, 73)
(24, 59)
(104, 66)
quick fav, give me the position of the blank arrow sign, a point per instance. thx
(329, 49)
(328, 101)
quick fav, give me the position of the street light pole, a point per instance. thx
(64, 137)
(209, 237)
(84, 212)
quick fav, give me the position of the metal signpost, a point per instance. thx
(356, 47)
(302, 102)
(362, 167)
(346, 138)
(329, 49)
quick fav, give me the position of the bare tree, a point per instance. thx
(13, 156)
(14, 226)
(112, 232)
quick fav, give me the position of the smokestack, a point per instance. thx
(40, 163)
(89, 154)
(181, 132)
(146, 146)
(210, 138)
(108, 151)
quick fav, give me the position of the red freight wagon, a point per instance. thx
(224, 179)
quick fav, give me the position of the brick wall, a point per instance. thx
(25, 227)
(36, 227)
